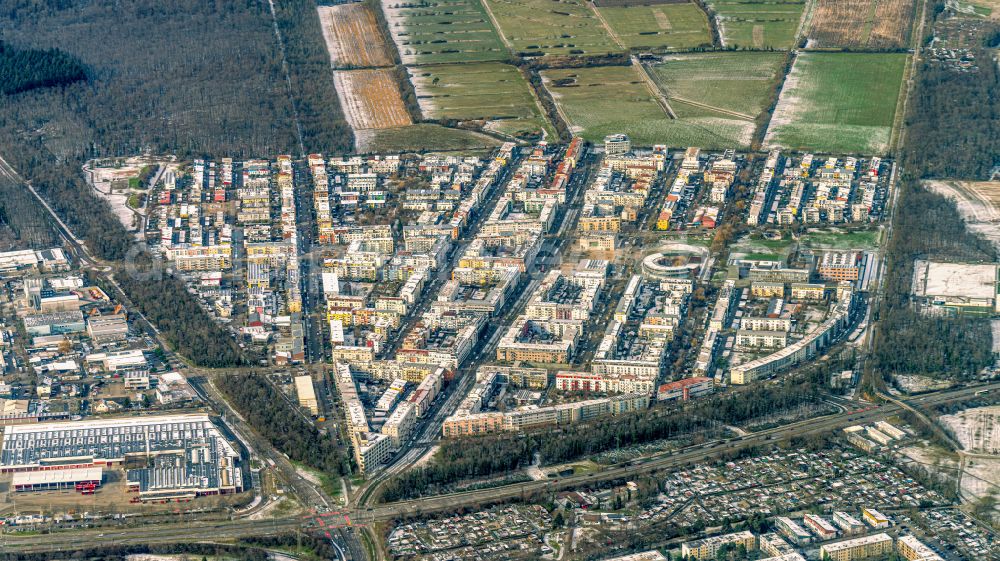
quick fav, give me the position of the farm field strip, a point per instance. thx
(758, 23)
(674, 26)
(371, 99)
(838, 102)
(604, 100)
(861, 23)
(439, 31)
(738, 84)
(560, 27)
(352, 36)
(488, 90)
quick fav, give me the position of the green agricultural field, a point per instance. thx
(672, 26)
(613, 99)
(759, 24)
(838, 103)
(435, 31)
(741, 82)
(487, 90)
(552, 27)
(426, 137)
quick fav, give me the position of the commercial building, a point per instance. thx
(111, 327)
(85, 480)
(708, 547)
(685, 389)
(186, 455)
(875, 519)
(857, 548)
(957, 288)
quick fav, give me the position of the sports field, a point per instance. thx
(487, 90)
(838, 102)
(672, 26)
(879, 24)
(737, 82)
(613, 99)
(551, 27)
(435, 31)
(758, 23)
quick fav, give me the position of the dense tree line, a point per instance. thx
(26, 69)
(23, 222)
(165, 301)
(494, 454)
(316, 103)
(271, 415)
(954, 126)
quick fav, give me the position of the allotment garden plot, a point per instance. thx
(435, 31)
(490, 91)
(737, 83)
(758, 23)
(670, 25)
(551, 27)
(877, 24)
(839, 103)
(606, 100)
(352, 36)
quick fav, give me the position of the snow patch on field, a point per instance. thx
(978, 429)
(789, 106)
(977, 202)
(326, 15)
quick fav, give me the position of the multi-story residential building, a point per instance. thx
(820, 526)
(707, 548)
(747, 339)
(792, 530)
(913, 549)
(850, 525)
(839, 266)
(857, 548)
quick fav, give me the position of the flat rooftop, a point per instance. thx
(932, 278)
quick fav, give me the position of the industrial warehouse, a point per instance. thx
(164, 457)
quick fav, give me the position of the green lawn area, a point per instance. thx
(552, 27)
(614, 99)
(864, 239)
(838, 103)
(673, 26)
(734, 81)
(427, 137)
(487, 90)
(759, 23)
(435, 31)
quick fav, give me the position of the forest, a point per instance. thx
(465, 458)
(165, 301)
(928, 226)
(953, 128)
(27, 69)
(273, 417)
(23, 222)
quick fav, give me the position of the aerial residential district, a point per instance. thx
(491, 280)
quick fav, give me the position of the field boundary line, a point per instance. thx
(898, 134)
(496, 25)
(743, 116)
(538, 105)
(605, 25)
(805, 22)
(653, 88)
